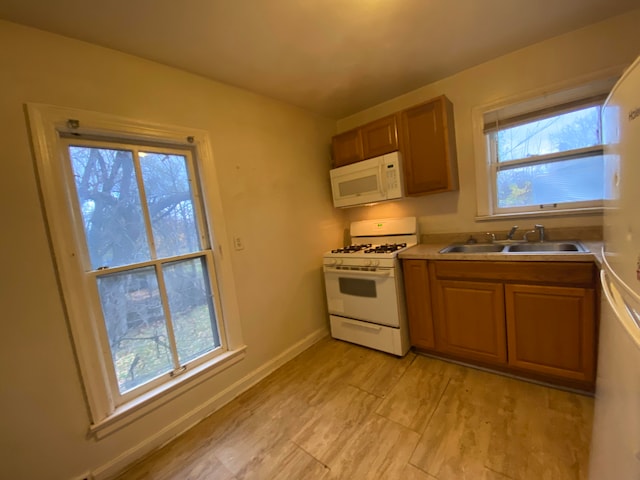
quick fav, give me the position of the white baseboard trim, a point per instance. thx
(184, 423)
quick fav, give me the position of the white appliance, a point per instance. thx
(615, 447)
(369, 181)
(364, 287)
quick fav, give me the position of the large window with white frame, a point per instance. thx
(542, 155)
(133, 237)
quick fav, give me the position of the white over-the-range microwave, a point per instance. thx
(368, 181)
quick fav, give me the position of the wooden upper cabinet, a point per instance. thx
(370, 140)
(428, 147)
(379, 137)
(347, 148)
(418, 296)
(424, 135)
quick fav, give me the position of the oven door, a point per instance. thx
(371, 296)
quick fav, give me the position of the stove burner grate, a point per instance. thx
(386, 248)
(352, 248)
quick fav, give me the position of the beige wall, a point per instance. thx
(272, 161)
(610, 44)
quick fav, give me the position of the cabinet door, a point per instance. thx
(379, 137)
(428, 147)
(469, 320)
(418, 296)
(551, 330)
(347, 148)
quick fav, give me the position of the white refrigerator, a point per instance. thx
(615, 445)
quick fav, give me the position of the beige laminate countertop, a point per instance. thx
(430, 251)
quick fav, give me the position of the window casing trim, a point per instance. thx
(145, 403)
(486, 203)
(48, 124)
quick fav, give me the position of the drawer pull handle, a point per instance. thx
(361, 325)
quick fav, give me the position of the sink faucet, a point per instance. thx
(539, 229)
(511, 232)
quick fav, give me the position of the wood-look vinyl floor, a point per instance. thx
(340, 411)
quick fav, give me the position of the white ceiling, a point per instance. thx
(334, 57)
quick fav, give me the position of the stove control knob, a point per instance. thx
(331, 261)
(376, 263)
(367, 263)
(339, 261)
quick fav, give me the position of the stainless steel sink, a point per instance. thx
(530, 247)
(472, 248)
(546, 247)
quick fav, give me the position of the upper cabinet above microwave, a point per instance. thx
(371, 140)
(425, 136)
(428, 146)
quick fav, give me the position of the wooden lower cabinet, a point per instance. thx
(536, 319)
(470, 320)
(418, 296)
(551, 330)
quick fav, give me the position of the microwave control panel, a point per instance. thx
(392, 177)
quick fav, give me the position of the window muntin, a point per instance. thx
(145, 242)
(547, 161)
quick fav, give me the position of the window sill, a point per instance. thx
(542, 214)
(140, 406)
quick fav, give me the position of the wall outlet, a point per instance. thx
(237, 243)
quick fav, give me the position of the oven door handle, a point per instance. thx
(376, 273)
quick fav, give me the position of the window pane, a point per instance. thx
(110, 204)
(568, 131)
(574, 180)
(170, 202)
(192, 311)
(358, 287)
(136, 326)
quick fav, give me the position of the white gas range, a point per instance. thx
(365, 292)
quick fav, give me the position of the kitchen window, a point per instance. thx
(132, 230)
(543, 155)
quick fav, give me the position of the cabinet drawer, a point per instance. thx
(378, 337)
(543, 273)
